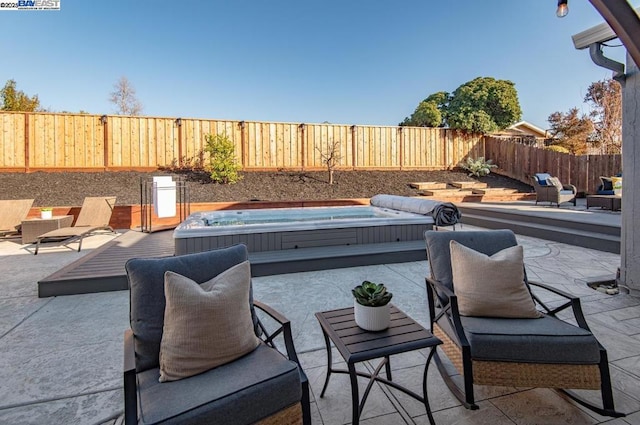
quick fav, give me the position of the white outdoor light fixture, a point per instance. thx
(563, 8)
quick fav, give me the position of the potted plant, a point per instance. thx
(46, 212)
(371, 306)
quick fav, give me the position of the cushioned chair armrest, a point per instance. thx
(130, 388)
(440, 288)
(449, 311)
(285, 329)
(573, 301)
(554, 290)
(273, 313)
(570, 187)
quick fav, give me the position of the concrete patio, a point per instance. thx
(61, 358)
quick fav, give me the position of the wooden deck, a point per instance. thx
(103, 269)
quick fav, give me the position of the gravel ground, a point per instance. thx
(70, 188)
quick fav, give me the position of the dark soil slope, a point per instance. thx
(69, 189)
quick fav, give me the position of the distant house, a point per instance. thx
(523, 132)
(522, 129)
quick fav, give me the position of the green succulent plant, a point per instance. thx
(478, 167)
(371, 294)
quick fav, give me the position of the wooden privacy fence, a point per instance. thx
(47, 141)
(520, 162)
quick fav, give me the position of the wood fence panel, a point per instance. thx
(501, 157)
(289, 140)
(462, 147)
(383, 147)
(195, 131)
(12, 140)
(172, 150)
(412, 155)
(78, 146)
(520, 161)
(42, 138)
(530, 163)
(77, 141)
(437, 139)
(151, 134)
(136, 142)
(114, 141)
(423, 147)
(580, 172)
(319, 142)
(252, 131)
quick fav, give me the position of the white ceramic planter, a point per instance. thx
(371, 318)
(46, 214)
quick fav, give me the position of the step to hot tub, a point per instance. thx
(268, 263)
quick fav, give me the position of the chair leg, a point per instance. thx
(306, 403)
(608, 408)
(465, 397)
(37, 246)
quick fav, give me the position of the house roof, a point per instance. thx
(524, 128)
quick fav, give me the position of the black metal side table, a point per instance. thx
(357, 345)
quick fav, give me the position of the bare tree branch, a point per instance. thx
(124, 97)
(331, 157)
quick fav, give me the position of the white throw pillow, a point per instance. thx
(554, 181)
(491, 286)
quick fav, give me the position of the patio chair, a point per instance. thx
(508, 344)
(263, 386)
(12, 212)
(94, 216)
(551, 190)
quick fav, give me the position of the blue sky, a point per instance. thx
(341, 61)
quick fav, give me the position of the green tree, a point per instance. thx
(483, 105)
(426, 114)
(571, 130)
(441, 99)
(605, 98)
(17, 100)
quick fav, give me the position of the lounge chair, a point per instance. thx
(94, 216)
(550, 189)
(12, 212)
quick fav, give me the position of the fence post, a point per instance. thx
(244, 152)
(401, 147)
(105, 141)
(27, 117)
(179, 125)
(354, 153)
(303, 144)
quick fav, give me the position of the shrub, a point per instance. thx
(557, 148)
(223, 166)
(478, 167)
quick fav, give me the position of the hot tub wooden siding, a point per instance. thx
(281, 240)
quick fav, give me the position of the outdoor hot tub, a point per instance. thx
(276, 229)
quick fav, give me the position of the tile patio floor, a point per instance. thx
(61, 358)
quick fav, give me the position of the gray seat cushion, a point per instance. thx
(147, 301)
(543, 340)
(224, 395)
